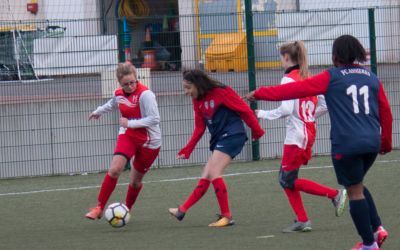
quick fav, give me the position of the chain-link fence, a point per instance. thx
(53, 73)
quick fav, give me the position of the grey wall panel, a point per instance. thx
(265, 48)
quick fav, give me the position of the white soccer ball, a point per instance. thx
(117, 214)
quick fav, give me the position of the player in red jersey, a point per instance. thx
(361, 127)
(222, 111)
(139, 138)
(300, 136)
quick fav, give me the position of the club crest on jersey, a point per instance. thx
(210, 104)
(126, 102)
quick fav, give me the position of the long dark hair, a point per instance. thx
(346, 49)
(202, 81)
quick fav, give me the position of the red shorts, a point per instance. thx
(141, 158)
(293, 157)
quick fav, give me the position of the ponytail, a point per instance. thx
(298, 54)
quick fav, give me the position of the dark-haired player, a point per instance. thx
(361, 127)
(222, 111)
(300, 136)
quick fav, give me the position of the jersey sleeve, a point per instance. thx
(321, 106)
(107, 107)
(315, 85)
(386, 120)
(199, 128)
(149, 111)
(284, 110)
(233, 101)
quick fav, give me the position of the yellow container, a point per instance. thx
(227, 53)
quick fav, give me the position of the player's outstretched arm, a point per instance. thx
(199, 128)
(105, 108)
(312, 86)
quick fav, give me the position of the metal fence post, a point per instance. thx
(255, 145)
(121, 52)
(372, 40)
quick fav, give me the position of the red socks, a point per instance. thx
(108, 186)
(221, 193)
(196, 195)
(222, 196)
(131, 195)
(309, 187)
(314, 188)
(106, 189)
(296, 203)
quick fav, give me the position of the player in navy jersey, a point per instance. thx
(139, 138)
(222, 111)
(361, 127)
(300, 136)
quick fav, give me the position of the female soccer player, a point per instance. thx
(300, 136)
(139, 138)
(361, 127)
(219, 108)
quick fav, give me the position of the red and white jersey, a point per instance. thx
(299, 113)
(140, 108)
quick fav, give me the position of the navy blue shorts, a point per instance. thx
(351, 169)
(231, 145)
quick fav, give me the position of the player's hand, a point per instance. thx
(123, 122)
(256, 111)
(250, 96)
(94, 116)
(257, 134)
(386, 146)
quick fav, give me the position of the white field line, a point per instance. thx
(265, 236)
(166, 180)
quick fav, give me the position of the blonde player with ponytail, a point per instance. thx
(300, 136)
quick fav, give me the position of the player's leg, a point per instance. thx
(225, 150)
(107, 186)
(338, 197)
(134, 187)
(141, 163)
(300, 157)
(198, 192)
(214, 168)
(380, 234)
(302, 223)
(350, 172)
(123, 151)
(288, 175)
